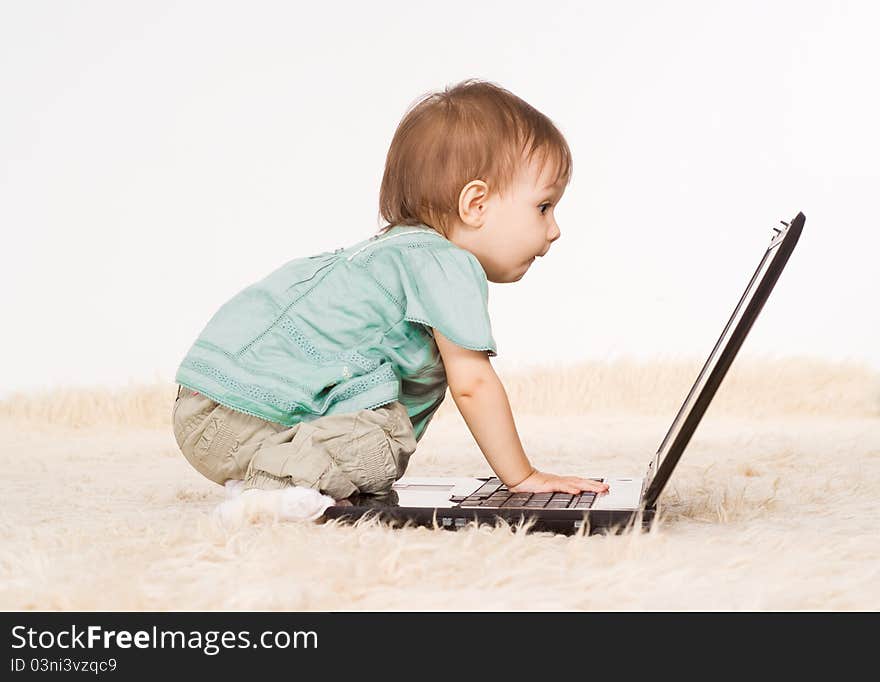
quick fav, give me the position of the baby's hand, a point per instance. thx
(540, 482)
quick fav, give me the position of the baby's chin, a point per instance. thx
(513, 275)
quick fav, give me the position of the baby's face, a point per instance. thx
(509, 231)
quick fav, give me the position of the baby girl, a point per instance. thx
(326, 373)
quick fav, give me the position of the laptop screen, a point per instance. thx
(721, 357)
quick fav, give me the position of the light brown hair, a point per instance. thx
(474, 130)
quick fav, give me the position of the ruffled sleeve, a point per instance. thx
(446, 288)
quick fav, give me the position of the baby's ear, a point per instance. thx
(472, 203)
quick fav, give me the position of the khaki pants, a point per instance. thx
(337, 454)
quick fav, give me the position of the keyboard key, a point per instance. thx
(557, 504)
(536, 503)
(513, 503)
(486, 489)
(585, 502)
(471, 503)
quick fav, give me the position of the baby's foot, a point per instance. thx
(284, 504)
(298, 503)
(233, 488)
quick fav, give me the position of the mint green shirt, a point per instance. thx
(345, 330)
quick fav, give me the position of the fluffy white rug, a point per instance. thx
(774, 506)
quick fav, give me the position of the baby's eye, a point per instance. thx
(543, 208)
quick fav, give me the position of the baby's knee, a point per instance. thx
(378, 450)
(281, 467)
(340, 454)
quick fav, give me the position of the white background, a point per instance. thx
(159, 157)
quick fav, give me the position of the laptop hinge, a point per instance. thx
(646, 482)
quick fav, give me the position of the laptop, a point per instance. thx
(455, 502)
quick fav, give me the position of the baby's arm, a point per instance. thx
(482, 401)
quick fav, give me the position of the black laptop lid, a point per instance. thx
(721, 357)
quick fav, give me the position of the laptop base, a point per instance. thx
(565, 522)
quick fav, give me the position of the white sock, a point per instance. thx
(284, 504)
(233, 488)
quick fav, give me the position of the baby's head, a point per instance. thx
(483, 168)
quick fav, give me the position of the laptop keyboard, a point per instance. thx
(493, 493)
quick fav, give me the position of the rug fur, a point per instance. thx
(774, 506)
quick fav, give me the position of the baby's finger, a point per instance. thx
(571, 485)
(590, 484)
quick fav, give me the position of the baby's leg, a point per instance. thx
(337, 454)
(266, 466)
(217, 441)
